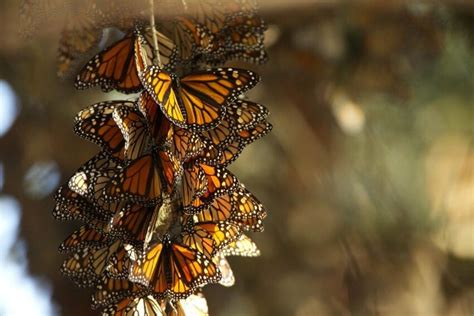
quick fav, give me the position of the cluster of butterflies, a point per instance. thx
(214, 31)
(160, 210)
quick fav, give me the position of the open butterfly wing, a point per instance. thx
(161, 85)
(205, 95)
(113, 68)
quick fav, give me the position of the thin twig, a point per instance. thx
(153, 32)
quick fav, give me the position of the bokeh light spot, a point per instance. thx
(41, 179)
(8, 107)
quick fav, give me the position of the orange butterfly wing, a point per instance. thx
(113, 68)
(97, 125)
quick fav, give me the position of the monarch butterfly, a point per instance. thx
(211, 14)
(240, 207)
(134, 128)
(72, 206)
(209, 237)
(114, 67)
(172, 270)
(231, 151)
(197, 100)
(111, 290)
(81, 33)
(240, 115)
(86, 266)
(145, 52)
(184, 144)
(256, 56)
(195, 305)
(145, 179)
(245, 114)
(193, 184)
(243, 35)
(223, 265)
(243, 247)
(90, 180)
(217, 181)
(190, 37)
(240, 43)
(120, 262)
(85, 236)
(97, 125)
(211, 156)
(237, 30)
(246, 19)
(220, 133)
(131, 224)
(159, 126)
(132, 305)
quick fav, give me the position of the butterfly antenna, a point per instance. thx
(153, 31)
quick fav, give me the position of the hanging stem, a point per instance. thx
(153, 32)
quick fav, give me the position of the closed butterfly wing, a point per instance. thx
(134, 306)
(220, 134)
(145, 179)
(250, 213)
(189, 270)
(81, 34)
(255, 132)
(194, 184)
(239, 207)
(231, 151)
(145, 52)
(221, 209)
(244, 114)
(191, 38)
(209, 237)
(131, 224)
(85, 236)
(72, 206)
(240, 115)
(97, 125)
(90, 180)
(223, 265)
(120, 262)
(211, 14)
(184, 144)
(134, 128)
(218, 181)
(140, 180)
(112, 68)
(150, 268)
(160, 127)
(195, 305)
(257, 56)
(86, 266)
(111, 290)
(242, 247)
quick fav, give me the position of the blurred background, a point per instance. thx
(368, 174)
